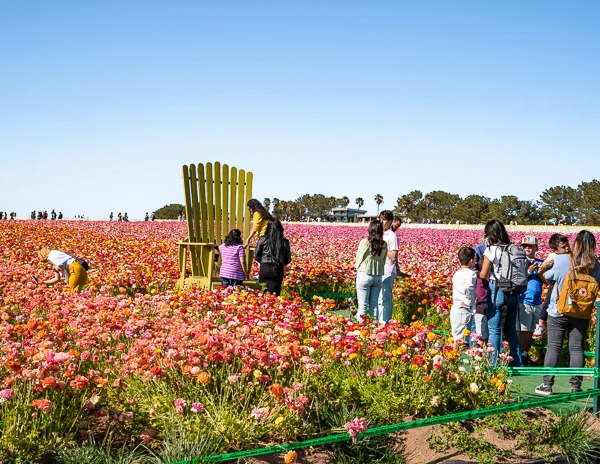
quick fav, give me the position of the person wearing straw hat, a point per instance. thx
(65, 267)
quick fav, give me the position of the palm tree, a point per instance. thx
(267, 203)
(344, 201)
(378, 200)
(359, 202)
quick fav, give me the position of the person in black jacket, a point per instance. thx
(273, 254)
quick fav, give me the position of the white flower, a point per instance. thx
(474, 388)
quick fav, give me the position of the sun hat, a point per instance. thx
(529, 240)
(43, 253)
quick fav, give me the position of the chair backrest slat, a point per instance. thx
(200, 209)
(233, 200)
(210, 233)
(246, 230)
(241, 204)
(217, 200)
(225, 199)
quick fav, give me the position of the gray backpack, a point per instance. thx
(512, 270)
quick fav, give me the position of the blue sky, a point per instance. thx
(101, 102)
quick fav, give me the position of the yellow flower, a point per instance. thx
(466, 332)
(257, 373)
(353, 356)
(279, 420)
(431, 336)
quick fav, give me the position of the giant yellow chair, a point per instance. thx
(215, 202)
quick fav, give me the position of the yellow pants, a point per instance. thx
(77, 277)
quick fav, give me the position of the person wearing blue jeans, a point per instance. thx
(501, 310)
(384, 307)
(369, 264)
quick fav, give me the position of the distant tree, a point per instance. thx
(589, 194)
(378, 200)
(267, 203)
(171, 211)
(472, 209)
(410, 205)
(359, 202)
(560, 204)
(440, 205)
(344, 201)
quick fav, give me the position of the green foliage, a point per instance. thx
(171, 211)
(560, 205)
(575, 438)
(590, 202)
(532, 433)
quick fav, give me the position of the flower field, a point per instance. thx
(137, 361)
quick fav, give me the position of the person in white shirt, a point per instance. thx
(463, 295)
(384, 308)
(66, 268)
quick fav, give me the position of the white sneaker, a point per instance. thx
(539, 331)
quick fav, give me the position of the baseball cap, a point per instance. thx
(529, 240)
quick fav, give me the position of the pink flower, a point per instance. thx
(179, 404)
(259, 413)
(380, 371)
(197, 407)
(7, 394)
(356, 426)
(234, 378)
(370, 373)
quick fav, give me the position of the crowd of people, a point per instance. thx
(497, 292)
(43, 215)
(4, 216)
(488, 307)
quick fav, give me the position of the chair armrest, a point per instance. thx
(196, 243)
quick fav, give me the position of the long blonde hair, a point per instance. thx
(584, 251)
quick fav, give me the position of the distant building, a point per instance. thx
(346, 214)
(366, 217)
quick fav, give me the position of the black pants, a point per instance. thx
(272, 275)
(558, 327)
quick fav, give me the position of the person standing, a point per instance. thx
(65, 267)
(567, 270)
(260, 219)
(273, 254)
(385, 303)
(501, 309)
(370, 267)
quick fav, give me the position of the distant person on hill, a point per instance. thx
(119, 217)
(125, 218)
(65, 267)
(370, 267)
(260, 219)
(147, 217)
(273, 254)
(154, 216)
(233, 260)
(384, 313)
(502, 309)
(60, 215)
(110, 218)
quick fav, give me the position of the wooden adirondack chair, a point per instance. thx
(215, 203)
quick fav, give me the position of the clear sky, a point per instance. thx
(101, 102)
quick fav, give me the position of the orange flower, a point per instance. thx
(204, 378)
(49, 382)
(13, 366)
(276, 390)
(290, 457)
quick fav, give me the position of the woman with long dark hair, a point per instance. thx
(582, 260)
(370, 262)
(501, 309)
(233, 260)
(273, 253)
(260, 219)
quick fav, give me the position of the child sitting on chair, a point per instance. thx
(233, 260)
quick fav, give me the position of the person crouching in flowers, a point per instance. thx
(463, 295)
(370, 262)
(233, 260)
(65, 267)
